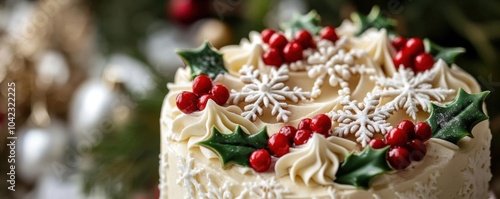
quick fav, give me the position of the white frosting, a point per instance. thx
(316, 161)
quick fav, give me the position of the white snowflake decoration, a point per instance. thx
(187, 177)
(214, 191)
(335, 62)
(362, 119)
(268, 189)
(268, 91)
(476, 173)
(410, 91)
(426, 189)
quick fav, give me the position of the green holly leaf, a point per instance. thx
(310, 22)
(373, 20)
(237, 146)
(456, 119)
(203, 60)
(359, 170)
(438, 52)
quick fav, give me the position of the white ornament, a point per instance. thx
(409, 90)
(269, 189)
(362, 119)
(268, 91)
(333, 61)
(428, 189)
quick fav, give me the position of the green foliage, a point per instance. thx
(456, 120)
(203, 60)
(237, 146)
(358, 170)
(310, 22)
(373, 20)
(438, 52)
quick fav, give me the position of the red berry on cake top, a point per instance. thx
(202, 85)
(292, 52)
(377, 143)
(423, 131)
(187, 102)
(396, 137)
(305, 124)
(260, 160)
(423, 62)
(399, 158)
(402, 58)
(414, 46)
(417, 149)
(203, 100)
(278, 144)
(277, 41)
(273, 57)
(302, 136)
(329, 33)
(288, 131)
(399, 42)
(266, 35)
(321, 124)
(221, 94)
(304, 38)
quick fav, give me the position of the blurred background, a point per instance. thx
(90, 77)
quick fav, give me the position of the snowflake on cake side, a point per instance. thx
(267, 90)
(332, 60)
(410, 90)
(363, 119)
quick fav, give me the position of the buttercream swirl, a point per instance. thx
(316, 161)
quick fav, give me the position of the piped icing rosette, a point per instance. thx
(318, 107)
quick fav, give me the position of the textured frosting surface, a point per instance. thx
(335, 76)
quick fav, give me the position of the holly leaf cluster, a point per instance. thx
(456, 119)
(237, 146)
(359, 170)
(203, 60)
(438, 52)
(310, 22)
(373, 20)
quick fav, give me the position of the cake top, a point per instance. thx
(329, 105)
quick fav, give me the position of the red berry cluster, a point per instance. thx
(279, 143)
(203, 90)
(407, 143)
(411, 54)
(283, 51)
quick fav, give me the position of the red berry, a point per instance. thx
(304, 38)
(277, 41)
(414, 46)
(293, 52)
(396, 137)
(289, 132)
(417, 149)
(305, 124)
(423, 131)
(266, 35)
(220, 93)
(260, 160)
(187, 102)
(402, 58)
(377, 143)
(321, 124)
(202, 102)
(273, 57)
(278, 144)
(399, 158)
(399, 42)
(329, 33)
(202, 85)
(423, 62)
(302, 136)
(408, 128)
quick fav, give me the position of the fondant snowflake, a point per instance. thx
(187, 177)
(362, 119)
(426, 189)
(334, 62)
(269, 189)
(268, 91)
(410, 91)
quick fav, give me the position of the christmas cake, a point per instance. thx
(320, 112)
